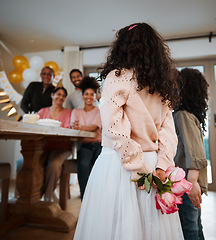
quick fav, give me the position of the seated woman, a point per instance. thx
(58, 151)
(87, 119)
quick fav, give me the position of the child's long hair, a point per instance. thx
(193, 93)
(141, 48)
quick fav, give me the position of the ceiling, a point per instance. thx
(43, 25)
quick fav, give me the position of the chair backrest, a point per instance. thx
(70, 166)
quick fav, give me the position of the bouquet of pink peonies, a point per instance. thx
(169, 193)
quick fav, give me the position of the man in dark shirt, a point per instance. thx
(38, 94)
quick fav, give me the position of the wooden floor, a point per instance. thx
(30, 232)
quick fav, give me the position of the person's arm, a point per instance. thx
(66, 118)
(167, 144)
(43, 113)
(96, 123)
(191, 134)
(91, 128)
(74, 121)
(26, 100)
(195, 160)
(116, 125)
(195, 193)
(76, 125)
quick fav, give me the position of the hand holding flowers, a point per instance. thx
(170, 191)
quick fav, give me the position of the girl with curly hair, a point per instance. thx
(189, 118)
(138, 136)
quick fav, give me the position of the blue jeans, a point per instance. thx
(86, 157)
(190, 217)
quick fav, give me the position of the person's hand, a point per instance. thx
(141, 187)
(195, 195)
(160, 173)
(75, 125)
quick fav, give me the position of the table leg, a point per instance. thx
(30, 178)
(29, 182)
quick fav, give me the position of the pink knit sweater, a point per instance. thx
(134, 122)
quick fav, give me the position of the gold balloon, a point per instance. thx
(20, 63)
(23, 68)
(52, 65)
(15, 76)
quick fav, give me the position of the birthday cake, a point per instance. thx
(31, 118)
(49, 122)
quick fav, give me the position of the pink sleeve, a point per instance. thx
(167, 143)
(97, 120)
(43, 113)
(66, 119)
(74, 115)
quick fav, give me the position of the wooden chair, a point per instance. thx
(7, 222)
(69, 166)
(5, 171)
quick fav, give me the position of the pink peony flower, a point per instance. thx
(179, 188)
(167, 204)
(169, 193)
(170, 199)
(177, 174)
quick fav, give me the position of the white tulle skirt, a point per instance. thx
(114, 209)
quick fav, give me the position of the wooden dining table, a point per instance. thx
(30, 179)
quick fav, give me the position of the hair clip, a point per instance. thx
(131, 27)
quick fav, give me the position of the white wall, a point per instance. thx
(190, 49)
(55, 56)
(185, 49)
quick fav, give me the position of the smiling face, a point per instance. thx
(58, 97)
(89, 97)
(76, 78)
(46, 76)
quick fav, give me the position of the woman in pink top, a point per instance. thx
(137, 136)
(57, 151)
(87, 119)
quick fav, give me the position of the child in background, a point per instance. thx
(189, 120)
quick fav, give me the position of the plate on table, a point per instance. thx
(49, 122)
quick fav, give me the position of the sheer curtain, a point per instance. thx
(72, 59)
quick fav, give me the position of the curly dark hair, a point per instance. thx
(193, 93)
(60, 88)
(139, 47)
(89, 82)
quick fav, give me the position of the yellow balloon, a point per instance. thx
(52, 65)
(15, 76)
(23, 68)
(20, 63)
